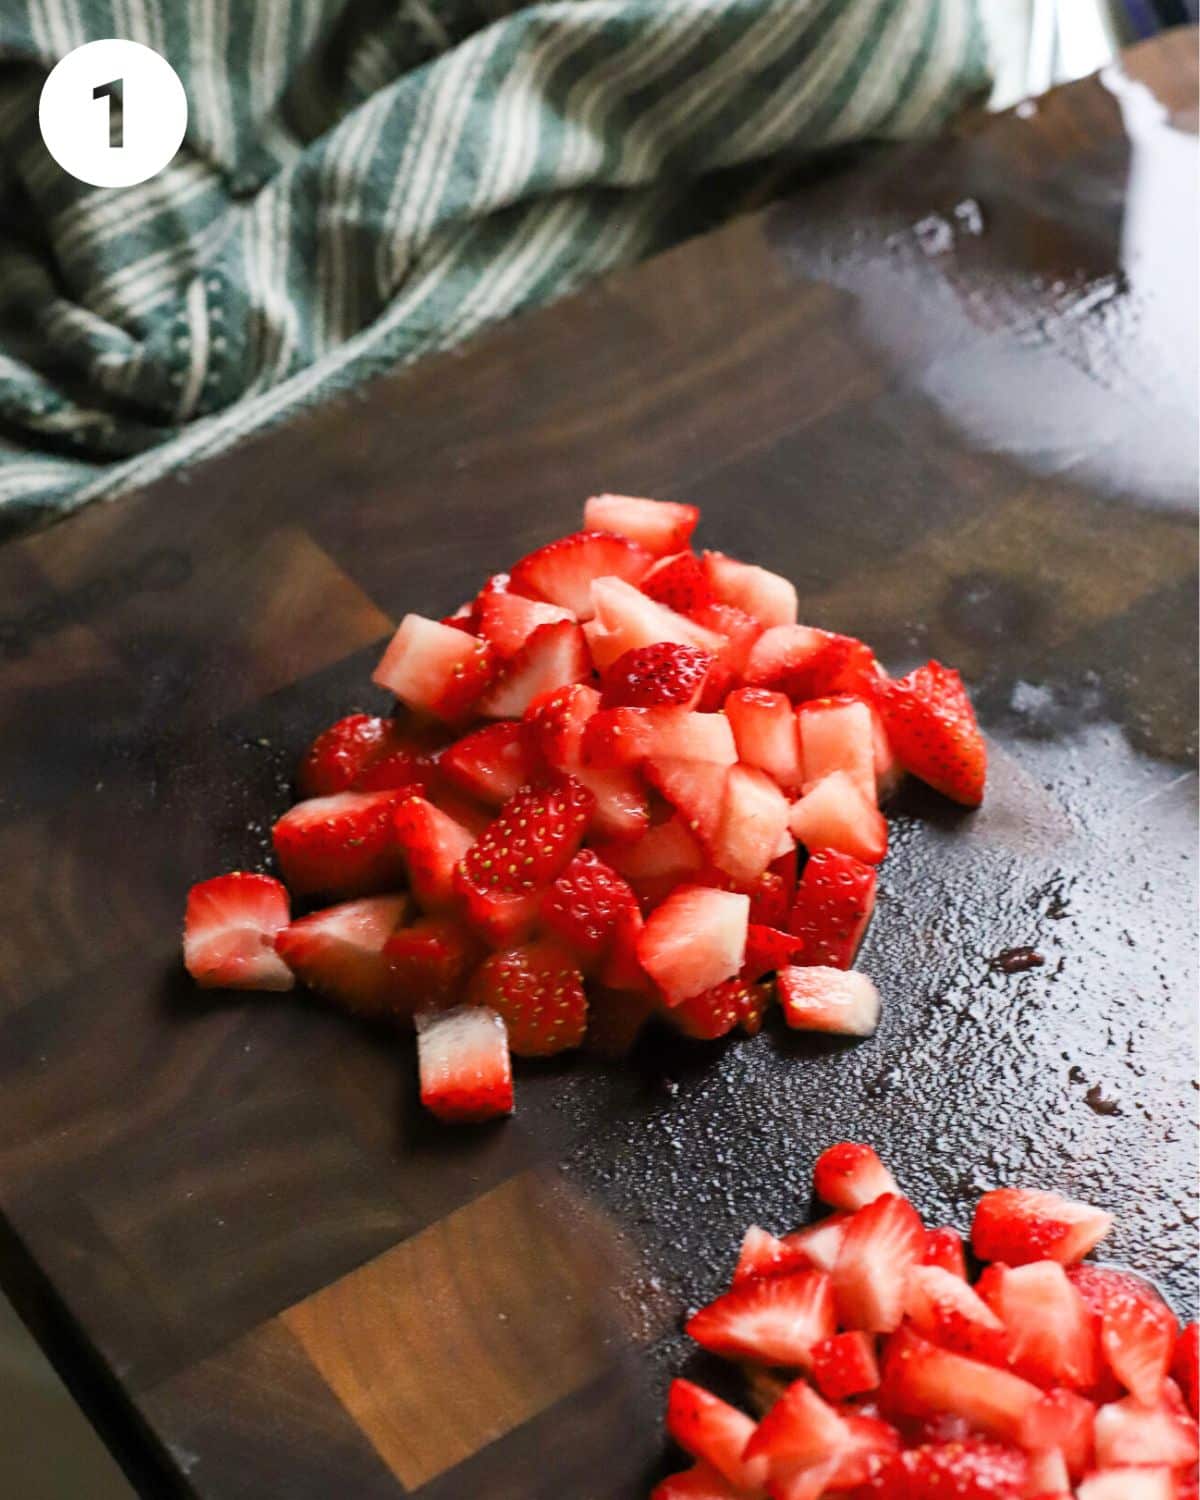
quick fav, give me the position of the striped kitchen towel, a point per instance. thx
(365, 181)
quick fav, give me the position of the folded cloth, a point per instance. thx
(366, 181)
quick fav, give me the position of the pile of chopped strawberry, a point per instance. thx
(620, 783)
(879, 1371)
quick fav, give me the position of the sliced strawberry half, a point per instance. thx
(834, 901)
(465, 1069)
(970, 1470)
(1062, 1422)
(663, 673)
(922, 1380)
(944, 1248)
(680, 582)
(339, 952)
(774, 1321)
(229, 933)
(1050, 1331)
(849, 1175)
(843, 1001)
(714, 1432)
(881, 1245)
(931, 727)
(435, 668)
(584, 905)
(762, 1254)
(764, 727)
(1127, 1432)
(1016, 1225)
(946, 1310)
(625, 619)
(431, 960)
(531, 842)
(491, 763)
(770, 598)
(617, 737)
(1138, 1331)
(696, 939)
(662, 527)
(754, 820)
(836, 735)
(845, 1365)
(836, 815)
(800, 1428)
(562, 572)
(365, 753)
(508, 620)
(344, 845)
(716, 1011)
(554, 656)
(432, 843)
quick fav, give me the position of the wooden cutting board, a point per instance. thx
(947, 392)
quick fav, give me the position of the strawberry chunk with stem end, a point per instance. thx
(662, 527)
(1017, 1225)
(849, 1175)
(230, 929)
(464, 1064)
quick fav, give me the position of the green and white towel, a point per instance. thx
(366, 181)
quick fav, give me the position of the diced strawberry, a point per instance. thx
(806, 663)
(1016, 1225)
(663, 673)
(430, 959)
(466, 1073)
(1062, 1421)
(946, 1310)
(341, 758)
(971, 1470)
(770, 598)
(815, 998)
(765, 729)
(539, 992)
(555, 722)
(662, 527)
(832, 910)
(922, 1380)
(229, 933)
(881, 1245)
(344, 845)
(800, 1428)
(695, 788)
(697, 1483)
(432, 843)
(665, 855)
(1185, 1366)
(491, 763)
(714, 1432)
(621, 969)
(1137, 1329)
(740, 632)
(768, 949)
(888, 771)
(761, 1254)
(754, 818)
(679, 582)
(554, 656)
(716, 1011)
(532, 840)
(562, 572)
(774, 1321)
(836, 815)
(931, 728)
(1129, 1433)
(622, 810)
(508, 620)
(615, 1020)
(1050, 1334)
(849, 1175)
(1133, 1483)
(625, 618)
(835, 735)
(822, 1242)
(944, 1248)
(436, 669)
(694, 940)
(771, 904)
(583, 904)
(502, 919)
(338, 952)
(628, 736)
(466, 812)
(845, 1365)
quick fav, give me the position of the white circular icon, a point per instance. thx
(113, 113)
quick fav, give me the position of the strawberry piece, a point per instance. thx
(430, 960)
(843, 1001)
(881, 1245)
(1050, 1335)
(739, 631)
(922, 1380)
(834, 902)
(774, 1321)
(761, 1255)
(508, 620)
(431, 843)
(1063, 1422)
(697, 1483)
(754, 1000)
(344, 845)
(821, 1242)
(663, 673)
(621, 969)
(836, 815)
(465, 1069)
(229, 933)
(695, 788)
(491, 763)
(800, 1428)
(1138, 1331)
(944, 1248)
(666, 855)
(679, 582)
(1133, 1483)
(627, 736)
(583, 905)
(768, 949)
(1016, 1225)
(696, 939)
(625, 619)
(662, 527)
(714, 1432)
(850, 1176)
(768, 597)
(338, 952)
(343, 757)
(971, 1470)
(435, 668)
(754, 819)
(845, 1365)
(503, 919)
(931, 727)
(562, 571)
(532, 840)
(716, 1011)
(836, 735)
(615, 1020)
(1185, 1366)
(555, 722)
(1129, 1433)
(554, 656)
(806, 663)
(944, 1309)
(765, 729)
(539, 992)
(771, 902)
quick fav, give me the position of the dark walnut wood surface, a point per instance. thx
(948, 393)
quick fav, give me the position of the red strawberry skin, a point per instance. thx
(845, 1365)
(466, 1072)
(680, 582)
(649, 675)
(717, 1011)
(491, 763)
(1185, 1366)
(971, 1470)
(931, 726)
(343, 845)
(584, 904)
(1018, 1225)
(364, 753)
(230, 929)
(1137, 1330)
(834, 901)
(431, 960)
(532, 841)
(538, 991)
